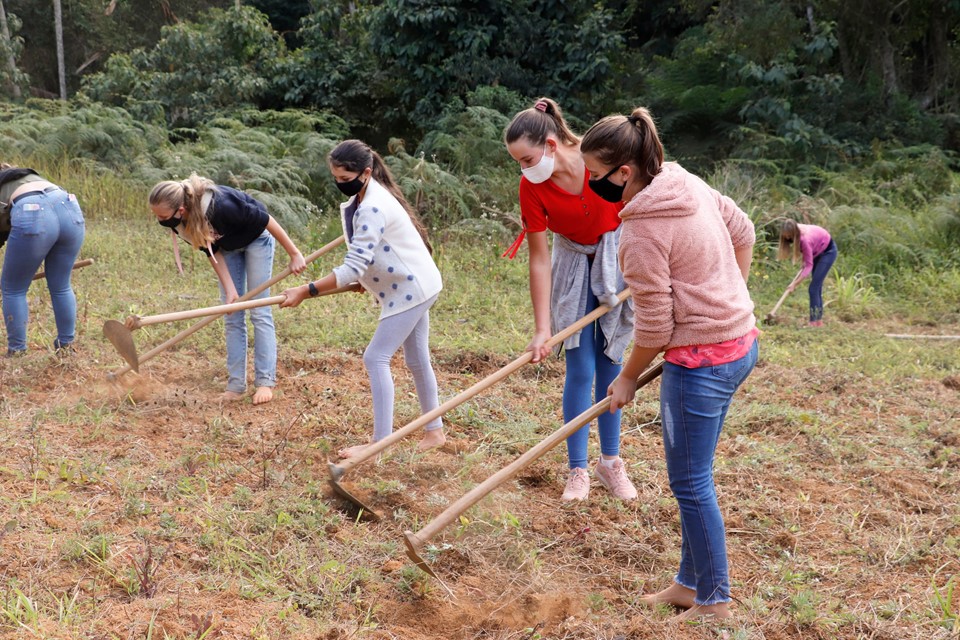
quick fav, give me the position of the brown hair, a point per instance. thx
(189, 195)
(540, 120)
(355, 155)
(620, 140)
(789, 241)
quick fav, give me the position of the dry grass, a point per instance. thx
(144, 509)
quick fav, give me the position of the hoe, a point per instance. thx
(337, 471)
(133, 361)
(416, 541)
(121, 337)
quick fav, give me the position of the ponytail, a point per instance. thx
(540, 120)
(620, 140)
(189, 195)
(354, 155)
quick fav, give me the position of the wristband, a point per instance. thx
(313, 290)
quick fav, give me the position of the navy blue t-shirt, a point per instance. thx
(236, 217)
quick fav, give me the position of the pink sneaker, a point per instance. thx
(578, 485)
(615, 480)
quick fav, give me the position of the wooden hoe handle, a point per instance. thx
(79, 264)
(472, 497)
(378, 446)
(163, 346)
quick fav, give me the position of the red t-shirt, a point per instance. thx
(582, 218)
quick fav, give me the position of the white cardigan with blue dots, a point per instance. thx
(386, 253)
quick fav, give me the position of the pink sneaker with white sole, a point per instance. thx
(578, 485)
(615, 480)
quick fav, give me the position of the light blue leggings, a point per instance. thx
(590, 370)
(410, 328)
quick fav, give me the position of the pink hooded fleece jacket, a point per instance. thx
(677, 256)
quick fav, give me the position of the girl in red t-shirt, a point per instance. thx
(582, 273)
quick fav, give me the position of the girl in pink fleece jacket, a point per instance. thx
(685, 251)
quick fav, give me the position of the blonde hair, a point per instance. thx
(540, 120)
(188, 194)
(789, 241)
(620, 140)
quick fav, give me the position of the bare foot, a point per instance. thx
(675, 594)
(231, 396)
(263, 395)
(719, 611)
(431, 440)
(352, 452)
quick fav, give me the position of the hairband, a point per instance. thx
(633, 119)
(541, 106)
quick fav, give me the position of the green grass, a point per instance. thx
(839, 432)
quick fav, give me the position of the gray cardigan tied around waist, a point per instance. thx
(568, 293)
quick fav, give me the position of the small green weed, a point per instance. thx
(414, 581)
(946, 608)
(20, 610)
(855, 296)
(803, 608)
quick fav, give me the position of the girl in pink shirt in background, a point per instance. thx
(818, 251)
(685, 251)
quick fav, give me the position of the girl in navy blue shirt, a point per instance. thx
(238, 236)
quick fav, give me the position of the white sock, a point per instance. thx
(609, 462)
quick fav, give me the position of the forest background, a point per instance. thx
(839, 462)
(839, 112)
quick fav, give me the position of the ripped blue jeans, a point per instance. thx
(694, 404)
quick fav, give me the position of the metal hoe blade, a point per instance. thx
(365, 511)
(413, 543)
(122, 340)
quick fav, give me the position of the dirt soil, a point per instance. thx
(839, 492)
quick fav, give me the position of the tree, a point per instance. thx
(94, 29)
(285, 15)
(805, 81)
(226, 61)
(446, 48)
(61, 64)
(334, 68)
(10, 48)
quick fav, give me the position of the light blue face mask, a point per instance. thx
(541, 171)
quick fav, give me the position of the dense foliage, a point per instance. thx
(842, 113)
(813, 82)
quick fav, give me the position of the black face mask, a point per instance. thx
(351, 187)
(606, 189)
(170, 223)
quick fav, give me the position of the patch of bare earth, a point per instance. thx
(839, 493)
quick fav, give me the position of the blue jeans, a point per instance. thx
(46, 228)
(694, 403)
(250, 267)
(821, 265)
(588, 369)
